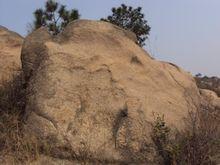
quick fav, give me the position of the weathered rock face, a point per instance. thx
(93, 91)
(10, 49)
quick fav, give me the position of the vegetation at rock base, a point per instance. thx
(198, 144)
(132, 19)
(12, 103)
(54, 16)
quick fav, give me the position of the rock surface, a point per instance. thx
(92, 92)
(10, 50)
(211, 97)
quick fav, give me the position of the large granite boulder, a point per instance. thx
(92, 92)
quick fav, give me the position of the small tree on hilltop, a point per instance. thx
(130, 19)
(55, 17)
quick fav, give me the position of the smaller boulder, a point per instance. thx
(10, 50)
(210, 97)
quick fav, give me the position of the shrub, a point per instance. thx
(198, 144)
(55, 17)
(162, 140)
(131, 19)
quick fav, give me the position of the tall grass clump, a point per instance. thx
(13, 143)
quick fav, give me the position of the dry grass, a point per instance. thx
(13, 143)
(199, 144)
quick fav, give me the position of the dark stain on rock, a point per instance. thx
(121, 116)
(136, 60)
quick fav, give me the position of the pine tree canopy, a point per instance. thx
(131, 19)
(54, 16)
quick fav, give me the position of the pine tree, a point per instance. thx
(131, 19)
(55, 17)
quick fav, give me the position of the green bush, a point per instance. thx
(132, 19)
(54, 16)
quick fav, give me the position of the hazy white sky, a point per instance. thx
(185, 32)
